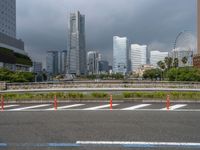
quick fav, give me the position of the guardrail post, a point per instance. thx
(55, 103)
(168, 102)
(111, 102)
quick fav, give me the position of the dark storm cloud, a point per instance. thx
(42, 24)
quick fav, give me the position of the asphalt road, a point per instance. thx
(29, 130)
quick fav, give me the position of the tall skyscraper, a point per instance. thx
(77, 52)
(196, 59)
(138, 56)
(93, 59)
(198, 26)
(52, 62)
(8, 17)
(157, 56)
(63, 62)
(120, 55)
(9, 44)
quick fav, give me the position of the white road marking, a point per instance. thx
(30, 107)
(175, 107)
(136, 107)
(100, 107)
(68, 106)
(9, 106)
(140, 144)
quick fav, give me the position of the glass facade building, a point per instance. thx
(8, 17)
(77, 52)
(52, 62)
(120, 55)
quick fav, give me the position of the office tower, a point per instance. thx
(8, 17)
(11, 49)
(52, 62)
(93, 58)
(8, 27)
(196, 59)
(120, 55)
(37, 67)
(77, 52)
(63, 62)
(156, 56)
(138, 56)
(103, 66)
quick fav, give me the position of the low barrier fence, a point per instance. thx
(16, 86)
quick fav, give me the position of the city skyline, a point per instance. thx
(137, 21)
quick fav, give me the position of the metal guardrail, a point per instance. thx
(101, 84)
(101, 90)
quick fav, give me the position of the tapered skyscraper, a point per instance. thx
(77, 52)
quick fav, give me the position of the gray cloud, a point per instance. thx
(42, 24)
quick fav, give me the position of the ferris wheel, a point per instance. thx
(186, 41)
(184, 46)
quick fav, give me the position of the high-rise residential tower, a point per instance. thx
(120, 54)
(77, 52)
(138, 56)
(8, 17)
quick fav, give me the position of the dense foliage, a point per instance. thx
(10, 76)
(183, 74)
(153, 74)
(116, 76)
(174, 74)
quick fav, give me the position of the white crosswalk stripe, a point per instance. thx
(175, 107)
(100, 107)
(67, 106)
(9, 106)
(30, 107)
(136, 107)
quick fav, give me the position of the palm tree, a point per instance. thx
(168, 62)
(184, 60)
(176, 62)
(162, 66)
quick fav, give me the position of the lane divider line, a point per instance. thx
(67, 106)
(30, 107)
(136, 107)
(175, 107)
(100, 107)
(140, 144)
(9, 106)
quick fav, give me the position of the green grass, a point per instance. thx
(103, 96)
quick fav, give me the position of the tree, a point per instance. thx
(152, 74)
(184, 74)
(184, 60)
(168, 62)
(176, 62)
(161, 65)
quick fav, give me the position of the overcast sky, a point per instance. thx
(42, 24)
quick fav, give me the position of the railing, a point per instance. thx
(101, 84)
